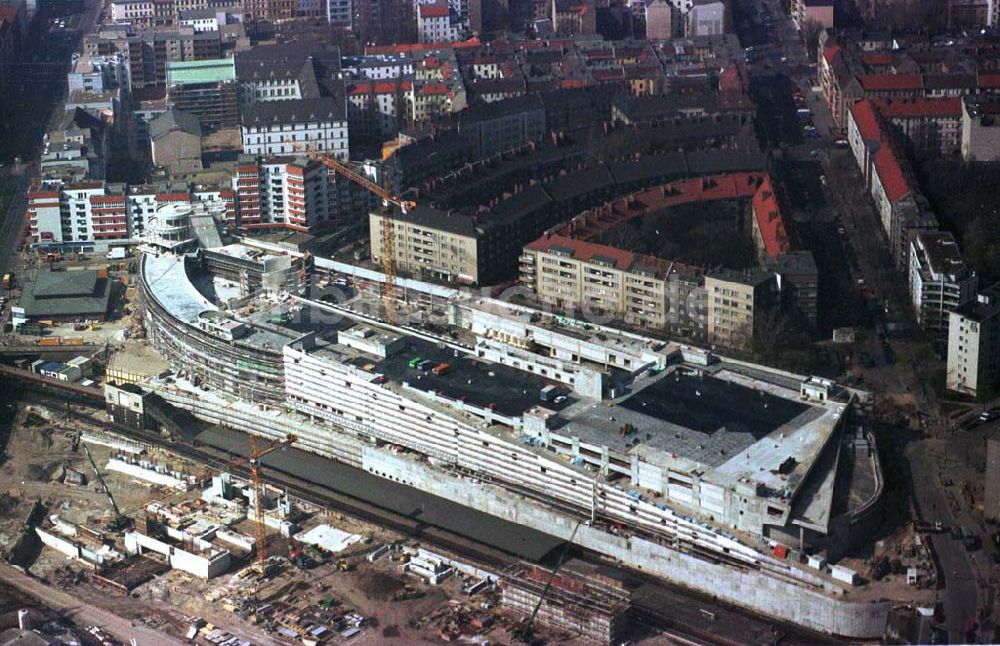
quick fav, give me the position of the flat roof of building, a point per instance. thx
(701, 420)
(707, 405)
(487, 385)
(214, 70)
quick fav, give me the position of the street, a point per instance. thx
(82, 613)
(863, 289)
(962, 595)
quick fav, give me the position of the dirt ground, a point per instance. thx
(41, 448)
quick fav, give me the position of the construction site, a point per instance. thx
(271, 447)
(172, 544)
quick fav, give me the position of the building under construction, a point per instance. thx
(576, 598)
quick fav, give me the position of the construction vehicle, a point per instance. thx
(388, 225)
(120, 521)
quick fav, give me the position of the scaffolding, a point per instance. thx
(578, 599)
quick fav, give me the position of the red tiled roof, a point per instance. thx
(890, 82)
(434, 11)
(591, 252)
(877, 58)
(866, 120)
(991, 81)
(612, 74)
(888, 165)
(433, 89)
(107, 199)
(172, 197)
(385, 87)
(472, 43)
(701, 189)
(584, 251)
(920, 107)
(830, 53)
(769, 220)
(890, 173)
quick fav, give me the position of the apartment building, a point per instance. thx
(139, 13)
(283, 193)
(378, 108)
(705, 18)
(504, 125)
(659, 20)
(98, 74)
(903, 211)
(149, 51)
(82, 216)
(207, 89)
(573, 17)
(91, 216)
(770, 235)
(430, 243)
(980, 129)
(974, 345)
(340, 13)
(599, 280)
(436, 23)
(819, 12)
(296, 126)
(932, 126)
(939, 280)
(738, 304)
(175, 141)
(288, 71)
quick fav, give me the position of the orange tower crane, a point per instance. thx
(388, 226)
(257, 482)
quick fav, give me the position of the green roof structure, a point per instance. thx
(215, 70)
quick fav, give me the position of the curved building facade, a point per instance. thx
(217, 352)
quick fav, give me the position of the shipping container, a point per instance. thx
(72, 340)
(49, 341)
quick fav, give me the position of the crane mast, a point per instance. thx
(388, 224)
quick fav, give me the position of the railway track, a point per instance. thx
(661, 614)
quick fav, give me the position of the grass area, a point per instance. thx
(964, 199)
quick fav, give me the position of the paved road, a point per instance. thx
(81, 613)
(961, 594)
(13, 221)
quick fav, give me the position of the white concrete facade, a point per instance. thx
(327, 136)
